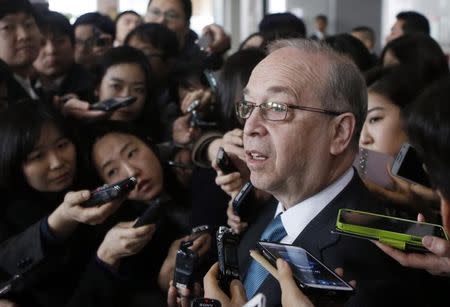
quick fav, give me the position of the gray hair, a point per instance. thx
(343, 89)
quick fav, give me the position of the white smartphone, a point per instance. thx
(372, 166)
(259, 300)
(409, 166)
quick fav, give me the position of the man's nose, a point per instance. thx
(254, 124)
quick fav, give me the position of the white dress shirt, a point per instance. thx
(296, 218)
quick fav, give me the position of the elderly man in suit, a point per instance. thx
(304, 107)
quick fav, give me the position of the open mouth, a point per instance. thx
(255, 155)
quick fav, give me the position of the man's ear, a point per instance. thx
(342, 131)
(445, 212)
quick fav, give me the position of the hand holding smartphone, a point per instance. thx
(399, 233)
(309, 273)
(107, 193)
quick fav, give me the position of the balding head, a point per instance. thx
(337, 81)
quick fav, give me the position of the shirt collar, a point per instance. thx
(296, 218)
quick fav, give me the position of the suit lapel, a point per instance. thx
(316, 237)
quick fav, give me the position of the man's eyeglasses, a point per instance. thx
(275, 111)
(169, 15)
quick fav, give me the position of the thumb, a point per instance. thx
(437, 246)
(420, 217)
(75, 198)
(237, 292)
(285, 277)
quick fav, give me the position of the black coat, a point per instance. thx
(380, 280)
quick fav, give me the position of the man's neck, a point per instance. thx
(295, 195)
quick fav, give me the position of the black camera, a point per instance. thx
(185, 266)
(227, 249)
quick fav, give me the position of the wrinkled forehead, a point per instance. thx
(299, 72)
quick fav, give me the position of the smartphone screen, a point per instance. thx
(306, 269)
(372, 165)
(386, 223)
(411, 166)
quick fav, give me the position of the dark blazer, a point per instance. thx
(380, 280)
(76, 81)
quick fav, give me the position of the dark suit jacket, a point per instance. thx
(380, 280)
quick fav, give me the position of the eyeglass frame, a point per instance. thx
(168, 15)
(288, 106)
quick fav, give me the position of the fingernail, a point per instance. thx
(427, 241)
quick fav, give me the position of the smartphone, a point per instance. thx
(205, 302)
(224, 162)
(107, 193)
(259, 300)
(409, 166)
(372, 165)
(180, 165)
(309, 273)
(113, 104)
(240, 202)
(152, 213)
(399, 233)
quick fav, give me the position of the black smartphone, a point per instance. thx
(240, 202)
(309, 273)
(180, 165)
(409, 166)
(227, 250)
(112, 104)
(205, 302)
(185, 266)
(224, 162)
(151, 214)
(107, 193)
